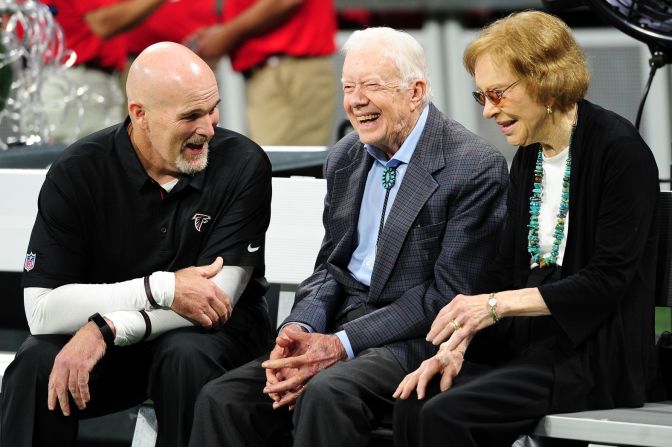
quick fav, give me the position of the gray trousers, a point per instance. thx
(339, 406)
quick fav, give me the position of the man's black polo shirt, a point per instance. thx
(102, 219)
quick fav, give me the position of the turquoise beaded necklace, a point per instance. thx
(535, 206)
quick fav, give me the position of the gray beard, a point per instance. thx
(196, 165)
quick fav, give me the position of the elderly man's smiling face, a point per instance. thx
(381, 107)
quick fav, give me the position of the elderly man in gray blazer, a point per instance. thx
(413, 208)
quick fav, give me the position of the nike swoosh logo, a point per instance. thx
(252, 249)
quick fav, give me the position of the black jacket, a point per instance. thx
(604, 302)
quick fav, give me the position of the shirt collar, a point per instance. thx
(405, 152)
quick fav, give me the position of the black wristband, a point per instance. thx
(105, 328)
(148, 325)
(148, 292)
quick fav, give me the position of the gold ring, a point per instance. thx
(455, 325)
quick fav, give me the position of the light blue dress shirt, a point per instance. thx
(364, 256)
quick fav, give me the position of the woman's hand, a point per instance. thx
(446, 362)
(460, 319)
(465, 315)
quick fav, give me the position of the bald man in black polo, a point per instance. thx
(149, 248)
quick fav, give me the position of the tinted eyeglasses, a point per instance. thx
(495, 95)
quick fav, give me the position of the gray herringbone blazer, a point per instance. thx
(440, 232)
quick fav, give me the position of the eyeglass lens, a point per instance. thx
(495, 96)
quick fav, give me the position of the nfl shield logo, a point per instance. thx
(30, 262)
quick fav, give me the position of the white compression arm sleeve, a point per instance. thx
(130, 326)
(65, 309)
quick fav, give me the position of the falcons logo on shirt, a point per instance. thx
(200, 220)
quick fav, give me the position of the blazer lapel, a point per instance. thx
(348, 190)
(417, 187)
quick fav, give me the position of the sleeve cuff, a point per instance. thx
(129, 326)
(163, 287)
(346, 344)
(307, 327)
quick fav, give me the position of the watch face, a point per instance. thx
(492, 302)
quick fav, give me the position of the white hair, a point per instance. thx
(407, 54)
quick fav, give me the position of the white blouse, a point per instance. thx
(554, 170)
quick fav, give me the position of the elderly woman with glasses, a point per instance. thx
(566, 320)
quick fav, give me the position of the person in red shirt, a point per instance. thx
(191, 15)
(283, 49)
(87, 97)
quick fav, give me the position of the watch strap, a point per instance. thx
(104, 328)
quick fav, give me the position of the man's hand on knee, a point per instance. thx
(72, 366)
(199, 299)
(317, 352)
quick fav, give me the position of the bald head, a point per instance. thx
(164, 72)
(172, 103)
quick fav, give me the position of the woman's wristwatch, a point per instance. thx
(492, 304)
